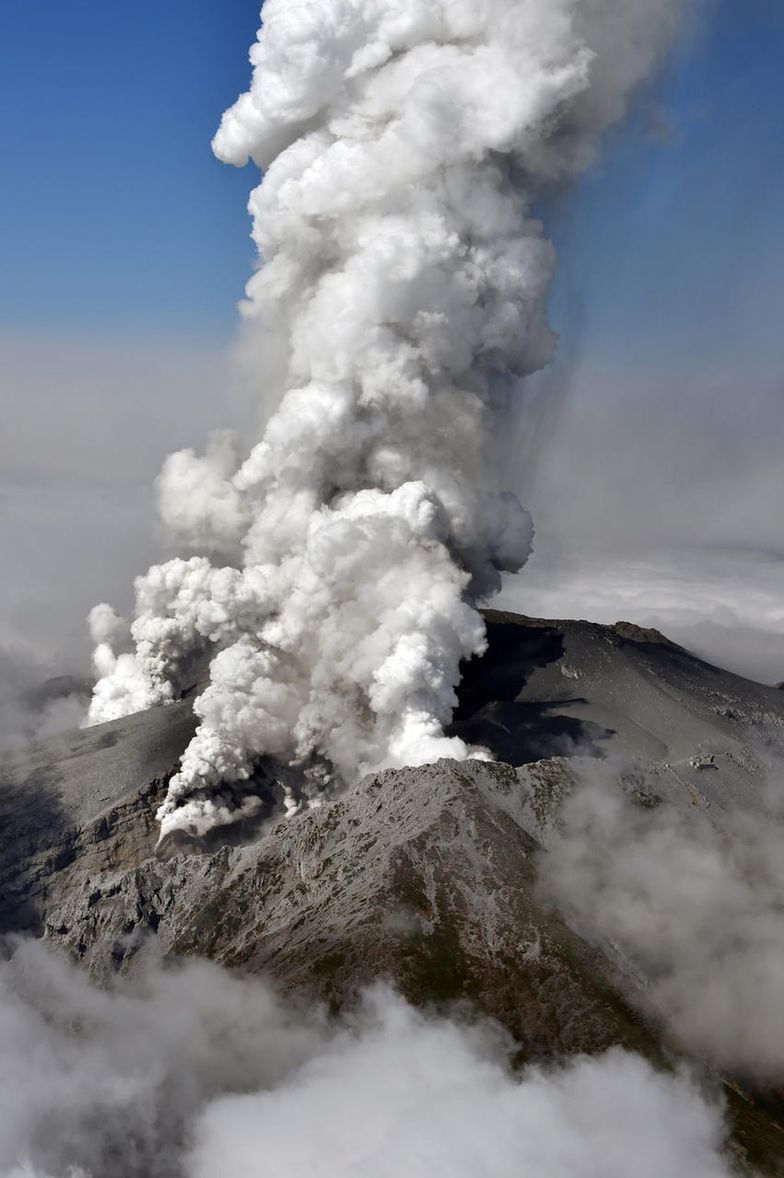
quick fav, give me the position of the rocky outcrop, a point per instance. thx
(426, 876)
(79, 802)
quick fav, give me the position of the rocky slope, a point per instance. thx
(426, 875)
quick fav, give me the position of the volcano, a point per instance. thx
(426, 876)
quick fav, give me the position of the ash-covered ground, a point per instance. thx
(611, 880)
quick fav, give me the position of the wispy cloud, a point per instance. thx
(194, 1071)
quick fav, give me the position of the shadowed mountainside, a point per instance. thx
(424, 875)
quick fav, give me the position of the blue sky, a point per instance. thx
(116, 218)
(674, 245)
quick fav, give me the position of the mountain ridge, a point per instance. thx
(426, 876)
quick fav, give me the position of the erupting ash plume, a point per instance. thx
(399, 305)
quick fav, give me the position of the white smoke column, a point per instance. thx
(399, 304)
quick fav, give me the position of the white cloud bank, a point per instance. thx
(656, 493)
(726, 606)
(693, 901)
(194, 1072)
(33, 704)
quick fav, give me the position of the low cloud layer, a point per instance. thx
(34, 703)
(655, 492)
(727, 606)
(198, 1073)
(88, 424)
(693, 903)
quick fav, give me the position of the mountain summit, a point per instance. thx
(425, 876)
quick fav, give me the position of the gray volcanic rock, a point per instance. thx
(77, 781)
(425, 876)
(79, 831)
(79, 859)
(549, 689)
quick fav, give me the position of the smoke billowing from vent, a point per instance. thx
(333, 566)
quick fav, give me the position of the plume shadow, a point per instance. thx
(34, 826)
(490, 714)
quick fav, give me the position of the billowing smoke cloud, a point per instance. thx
(399, 306)
(194, 1072)
(693, 903)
